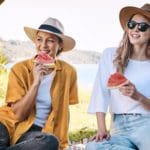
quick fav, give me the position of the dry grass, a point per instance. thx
(3, 84)
(79, 118)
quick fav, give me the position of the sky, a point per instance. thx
(94, 24)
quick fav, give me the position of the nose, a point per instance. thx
(136, 28)
(44, 45)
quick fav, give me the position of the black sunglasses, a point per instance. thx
(142, 26)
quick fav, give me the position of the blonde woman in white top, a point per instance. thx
(130, 104)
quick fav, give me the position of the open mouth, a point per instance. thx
(45, 51)
(135, 36)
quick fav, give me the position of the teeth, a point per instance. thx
(45, 52)
(135, 35)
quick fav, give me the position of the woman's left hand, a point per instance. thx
(130, 90)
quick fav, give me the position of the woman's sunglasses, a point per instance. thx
(142, 26)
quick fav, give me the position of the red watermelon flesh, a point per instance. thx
(45, 59)
(116, 80)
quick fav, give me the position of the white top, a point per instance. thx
(43, 104)
(138, 72)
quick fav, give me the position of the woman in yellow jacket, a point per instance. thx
(38, 98)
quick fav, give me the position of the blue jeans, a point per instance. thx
(4, 137)
(128, 132)
(33, 140)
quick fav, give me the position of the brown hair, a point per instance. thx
(61, 49)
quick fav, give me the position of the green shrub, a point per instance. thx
(3, 77)
(84, 133)
(3, 58)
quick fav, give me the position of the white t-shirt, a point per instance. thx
(138, 72)
(43, 100)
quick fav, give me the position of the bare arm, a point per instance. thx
(101, 121)
(130, 90)
(144, 101)
(22, 108)
(102, 131)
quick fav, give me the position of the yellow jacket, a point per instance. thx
(63, 92)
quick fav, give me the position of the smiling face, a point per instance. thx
(136, 36)
(48, 43)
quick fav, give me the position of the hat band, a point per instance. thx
(50, 28)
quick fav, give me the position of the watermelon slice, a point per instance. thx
(116, 80)
(45, 59)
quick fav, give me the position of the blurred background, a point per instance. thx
(94, 24)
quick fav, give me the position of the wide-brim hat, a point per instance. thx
(1, 1)
(127, 12)
(53, 26)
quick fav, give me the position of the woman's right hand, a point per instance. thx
(101, 135)
(38, 71)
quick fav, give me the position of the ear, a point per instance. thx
(60, 50)
(61, 45)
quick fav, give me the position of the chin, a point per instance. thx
(134, 42)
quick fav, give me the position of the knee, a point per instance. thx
(50, 140)
(90, 146)
(105, 145)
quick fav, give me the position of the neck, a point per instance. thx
(139, 52)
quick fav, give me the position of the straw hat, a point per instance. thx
(1, 1)
(54, 26)
(127, 12)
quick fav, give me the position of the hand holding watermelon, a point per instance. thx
(45, 59)
(116, 80)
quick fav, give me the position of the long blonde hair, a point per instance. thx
(124, 52)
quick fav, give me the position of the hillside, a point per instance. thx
(19, 50)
